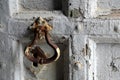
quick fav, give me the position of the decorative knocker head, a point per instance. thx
(42, 24)
(36, 54)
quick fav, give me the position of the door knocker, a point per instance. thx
(35, 53)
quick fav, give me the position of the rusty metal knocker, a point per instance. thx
(36, 54)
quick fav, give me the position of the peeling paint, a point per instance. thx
(114, 68)
(75, 13)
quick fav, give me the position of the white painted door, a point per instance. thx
(86, 31)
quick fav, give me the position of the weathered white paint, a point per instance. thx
(106, 7)
(96, 24)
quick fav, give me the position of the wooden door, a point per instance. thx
(86, 31)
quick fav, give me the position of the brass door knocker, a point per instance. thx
(36, 54)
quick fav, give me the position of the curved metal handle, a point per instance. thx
(41, 28)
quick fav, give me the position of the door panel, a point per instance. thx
(108, 61)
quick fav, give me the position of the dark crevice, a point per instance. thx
(71, 13)
(57, 4)
(35, 64)
(70, 4)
